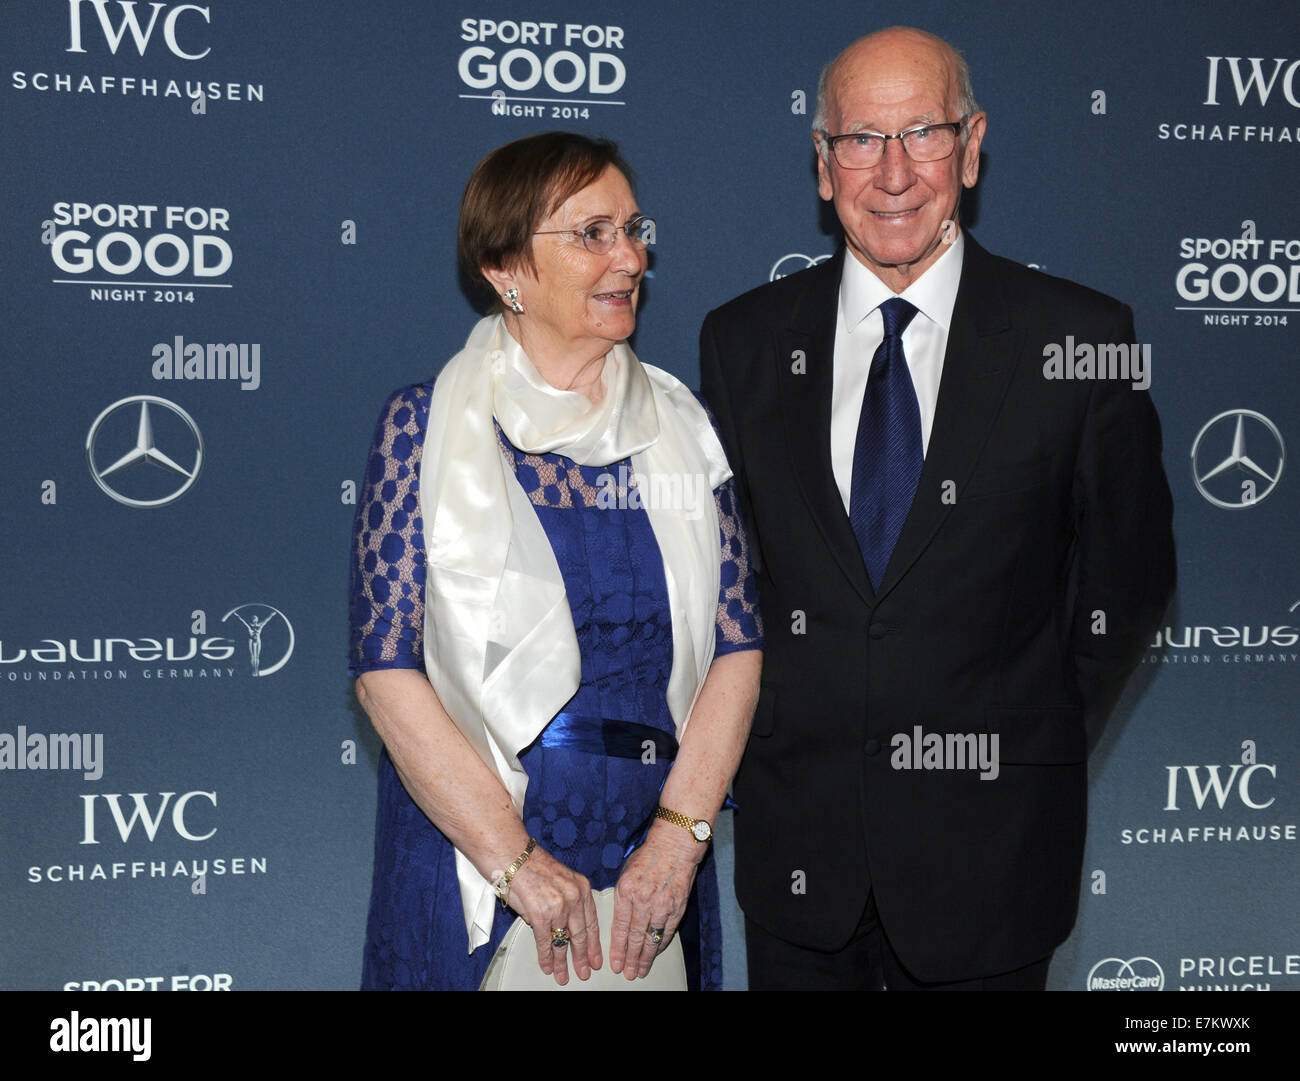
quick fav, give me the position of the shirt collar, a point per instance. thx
(934, 293)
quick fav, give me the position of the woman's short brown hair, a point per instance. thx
(515, 188)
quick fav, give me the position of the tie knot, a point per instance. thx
(897, 313)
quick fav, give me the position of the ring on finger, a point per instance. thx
(559, 938)
(656, 934)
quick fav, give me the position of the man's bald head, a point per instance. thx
(859, 57)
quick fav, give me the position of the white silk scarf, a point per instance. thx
(499, 643)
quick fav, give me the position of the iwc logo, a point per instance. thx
(1237, 458)
(165, 437)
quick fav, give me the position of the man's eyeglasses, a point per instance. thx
(926, 142)
(598, 237)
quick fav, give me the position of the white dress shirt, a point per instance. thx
(859, 330)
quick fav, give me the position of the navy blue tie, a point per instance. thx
(887, 456)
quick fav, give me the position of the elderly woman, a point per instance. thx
(554, 626)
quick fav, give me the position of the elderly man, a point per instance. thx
(959, 560)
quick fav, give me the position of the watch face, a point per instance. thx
(702, 831)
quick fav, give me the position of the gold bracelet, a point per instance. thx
(503, 880)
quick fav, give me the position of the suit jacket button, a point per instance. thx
(877, 630)
(872, 747)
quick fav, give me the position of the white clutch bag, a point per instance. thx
(514, 966)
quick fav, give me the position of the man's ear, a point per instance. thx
(824, 188)
(970, 162)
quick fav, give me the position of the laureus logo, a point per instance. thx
(269, 645)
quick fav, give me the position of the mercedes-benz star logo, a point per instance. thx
(113, 424)
(795, 261)
(1260, 463)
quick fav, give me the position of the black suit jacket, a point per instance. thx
(1035, 562)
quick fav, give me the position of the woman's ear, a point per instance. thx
(500, 278)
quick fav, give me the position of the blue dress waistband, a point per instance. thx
(601, 735)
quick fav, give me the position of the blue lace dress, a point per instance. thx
(588, 805)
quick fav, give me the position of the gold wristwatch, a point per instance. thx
(697, 827)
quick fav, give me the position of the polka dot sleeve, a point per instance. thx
(387, 595)
(739, 625)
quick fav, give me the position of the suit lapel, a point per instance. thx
(807, 412)
(977, 368)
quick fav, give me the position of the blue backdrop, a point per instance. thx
(229, 230)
